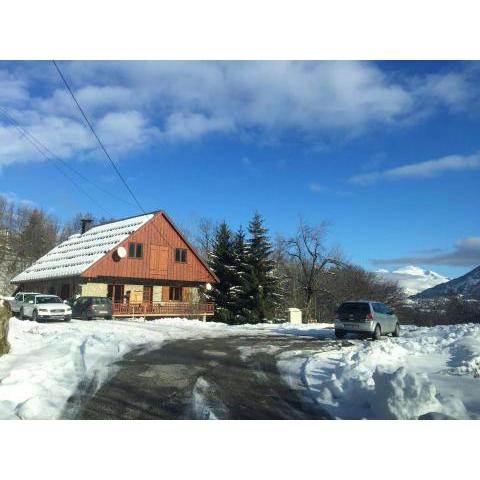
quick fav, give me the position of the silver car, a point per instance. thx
(366, 317)
(19, 299)
(45, 307)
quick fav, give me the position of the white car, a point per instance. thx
(45, 307)
(17, 301)
(366, 317)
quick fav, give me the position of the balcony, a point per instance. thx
(163, 309)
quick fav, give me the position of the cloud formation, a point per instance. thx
(465, 254)
(427, 169)
(141, 103)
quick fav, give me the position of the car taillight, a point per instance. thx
(369, 316)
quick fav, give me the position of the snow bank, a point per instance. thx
(426, 373)
(49, 361)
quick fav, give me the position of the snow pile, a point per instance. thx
(428, 372)
(49, 361)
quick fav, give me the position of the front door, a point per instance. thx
(116, 293)
(147, 294)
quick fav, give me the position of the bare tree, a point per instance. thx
(313, 261)
(204, 238)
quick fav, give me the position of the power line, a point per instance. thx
(56, 157)
(67, 86)
(33, 141)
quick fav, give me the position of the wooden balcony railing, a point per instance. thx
(162, 309)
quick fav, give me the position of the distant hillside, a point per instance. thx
(467, 285)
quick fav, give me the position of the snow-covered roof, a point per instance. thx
(75, 255)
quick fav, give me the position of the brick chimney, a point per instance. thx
(86, 224)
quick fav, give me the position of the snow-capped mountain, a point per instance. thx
(467, 285)
(413, 279)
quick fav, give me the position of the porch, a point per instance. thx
(162, 309)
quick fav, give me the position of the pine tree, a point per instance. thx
(222, 262)
(240, 290)
(261, 283)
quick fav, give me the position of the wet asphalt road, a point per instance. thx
(226, 378)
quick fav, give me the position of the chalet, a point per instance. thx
(143, 263)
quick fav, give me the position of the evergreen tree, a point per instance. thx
(240, 290)
(261, 283)
(222, 262)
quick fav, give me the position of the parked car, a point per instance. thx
(89, 308)
(45, 307)
(366, 317)
(18, 300)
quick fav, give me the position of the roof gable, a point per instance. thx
(159, 237)
(80, 251)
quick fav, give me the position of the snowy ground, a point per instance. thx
(430, 372)
(49, 361)
(427, 371)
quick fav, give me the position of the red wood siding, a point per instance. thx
(160, 239)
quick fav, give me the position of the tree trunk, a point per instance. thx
(5, 314)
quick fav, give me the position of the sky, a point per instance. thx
(387, 152)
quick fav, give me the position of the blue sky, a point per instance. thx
(388, 152)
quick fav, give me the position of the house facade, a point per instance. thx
(143, 263)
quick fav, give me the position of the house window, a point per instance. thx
(181, 255)
(135, 250)
(175, 294)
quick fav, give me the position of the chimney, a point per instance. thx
(86, 224)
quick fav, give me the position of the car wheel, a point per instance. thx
(67, 319)
(396, 332)
(377, 333)
(339, 333)
(35, 316)
(20, 314)
(108, 317)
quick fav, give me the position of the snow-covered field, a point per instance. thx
(48, 361)
(426, 371)
(430, 372)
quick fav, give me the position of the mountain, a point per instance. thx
(468, 285)
(412, 279)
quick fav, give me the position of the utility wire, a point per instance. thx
(56, 157)
(67, 86)
(32, 141)
(122, 178)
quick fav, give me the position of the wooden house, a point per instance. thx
(143, 263)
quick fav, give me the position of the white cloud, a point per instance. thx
(125, 131)
(427, 169)
(466, 253)
(413, 279)
(190, 126)
(185, 101)
(61, 135)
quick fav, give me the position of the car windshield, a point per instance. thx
(354, 308)
(49, 300)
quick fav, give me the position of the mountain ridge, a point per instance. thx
(467, 285)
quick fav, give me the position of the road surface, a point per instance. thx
(233, 377)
